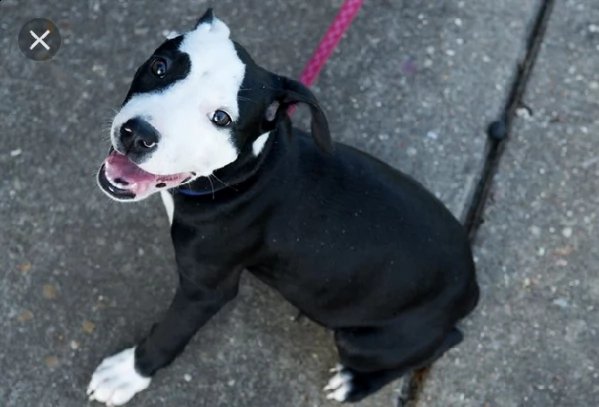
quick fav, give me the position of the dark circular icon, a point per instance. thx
(39, 39)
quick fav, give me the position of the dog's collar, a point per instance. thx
(199, 187)
(189, 192)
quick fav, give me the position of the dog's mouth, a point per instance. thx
(124, 180)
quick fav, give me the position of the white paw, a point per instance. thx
(340, 384)
(115, 381)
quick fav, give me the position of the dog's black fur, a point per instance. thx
(353, 243)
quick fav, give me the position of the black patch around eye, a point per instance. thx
(179, 66)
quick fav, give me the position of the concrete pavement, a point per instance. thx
(533, 339)
(415, 84)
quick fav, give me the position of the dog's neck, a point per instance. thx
(244, 172)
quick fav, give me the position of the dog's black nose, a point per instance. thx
(138, 136)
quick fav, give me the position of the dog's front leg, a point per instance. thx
(121, 376)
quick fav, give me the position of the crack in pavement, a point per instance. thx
(500, 131)
(498, 136)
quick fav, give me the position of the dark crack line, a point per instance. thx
(498, 139)
(499, 134)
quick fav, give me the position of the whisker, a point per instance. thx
(224, 183)
(212, 185)
(247, 99)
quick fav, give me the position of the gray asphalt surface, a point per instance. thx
(533, 339)
(415, 84)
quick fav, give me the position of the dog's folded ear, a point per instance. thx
(293, 92)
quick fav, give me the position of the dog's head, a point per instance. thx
(198, 104)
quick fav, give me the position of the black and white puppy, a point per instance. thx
(357, 246)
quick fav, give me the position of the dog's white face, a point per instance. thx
(198, 105)
(176, 122)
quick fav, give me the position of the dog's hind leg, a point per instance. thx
(368, 363)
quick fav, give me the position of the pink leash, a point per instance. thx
(327, 45)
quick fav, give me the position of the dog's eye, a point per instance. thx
(159, 67)
(221, 118)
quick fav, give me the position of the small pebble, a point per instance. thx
(450, 52)
(25, 267)
(51, 361)
(74, 345)
(49, 292)
(564, 251)
(427, 63)
(88, 327)
(432, 135)
(593, 28)
(16, 153)
(458, 22)
(25, 316)
(187, 377)
(567, 232)
(412, 151)
(561, 302)
(523, 113)
(430, 50)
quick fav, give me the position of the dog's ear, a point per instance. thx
(292, 92)
(209, 22)
(207, 18)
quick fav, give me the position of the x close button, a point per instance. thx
(39, 39)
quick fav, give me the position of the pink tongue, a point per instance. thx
(119, 168)
(127, 175)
